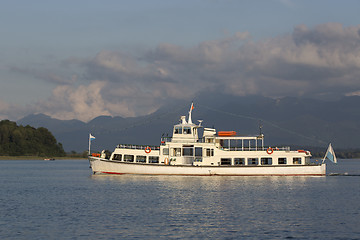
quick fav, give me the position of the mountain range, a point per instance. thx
(286, 121)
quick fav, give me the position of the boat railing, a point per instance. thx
(257, 148)
(164, 140)
(137, 147)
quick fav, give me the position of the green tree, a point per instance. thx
(19, 140)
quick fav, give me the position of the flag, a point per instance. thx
(91, 137)
(330, 154)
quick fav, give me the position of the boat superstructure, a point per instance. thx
(215, 153)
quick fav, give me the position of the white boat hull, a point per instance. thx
(105, 166)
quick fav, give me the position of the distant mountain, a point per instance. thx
(285, 121)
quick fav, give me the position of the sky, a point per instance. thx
(84, 58)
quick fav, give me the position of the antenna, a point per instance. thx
(260, 127)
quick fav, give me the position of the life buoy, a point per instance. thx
(166, 161)
(269, 150)
(147, 149)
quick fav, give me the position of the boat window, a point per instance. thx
(117, 157)
(266, 161)
(176, 152)
(296, 160)
(209, 152)
(198, 152)
(225, 161)
(209, 140)
(141, 159)
(187, 130)
(281, 160)
(188, 151)
(253, 161)
(153, 159)
(165, 151)
(178, 130)
(129, 158)
(239, 161)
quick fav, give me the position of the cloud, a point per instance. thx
(318, 61)
(4, 109)
(12, 111)
(67, 102)
(305, 62)
(45, 74)
(355, 93)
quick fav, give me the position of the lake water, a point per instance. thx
(63, 200)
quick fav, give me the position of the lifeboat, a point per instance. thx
(227, 133)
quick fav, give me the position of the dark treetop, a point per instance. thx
(21, 141)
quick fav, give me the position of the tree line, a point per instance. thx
(28, 141)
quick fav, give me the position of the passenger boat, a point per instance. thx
(223, 153)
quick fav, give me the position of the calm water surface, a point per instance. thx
(63, 200)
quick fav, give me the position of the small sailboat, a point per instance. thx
(330, 154)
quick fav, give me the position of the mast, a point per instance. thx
(191, 108)
(91, 137)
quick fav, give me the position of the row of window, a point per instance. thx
(181, 130)
(138, 159)
(189, 150)
(223, 161)
(255, 161)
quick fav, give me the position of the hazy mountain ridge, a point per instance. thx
(286, 121)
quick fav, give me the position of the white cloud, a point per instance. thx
(83, 102)
(307, 62)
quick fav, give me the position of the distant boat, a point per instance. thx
(49, 159)
(224, 153)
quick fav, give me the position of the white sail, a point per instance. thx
(330, 154)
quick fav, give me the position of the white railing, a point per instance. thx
(257, 148)
(137, 147)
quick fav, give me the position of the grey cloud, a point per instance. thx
(324, 60)
(46, 75)
(13, 111)
(329, 34)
